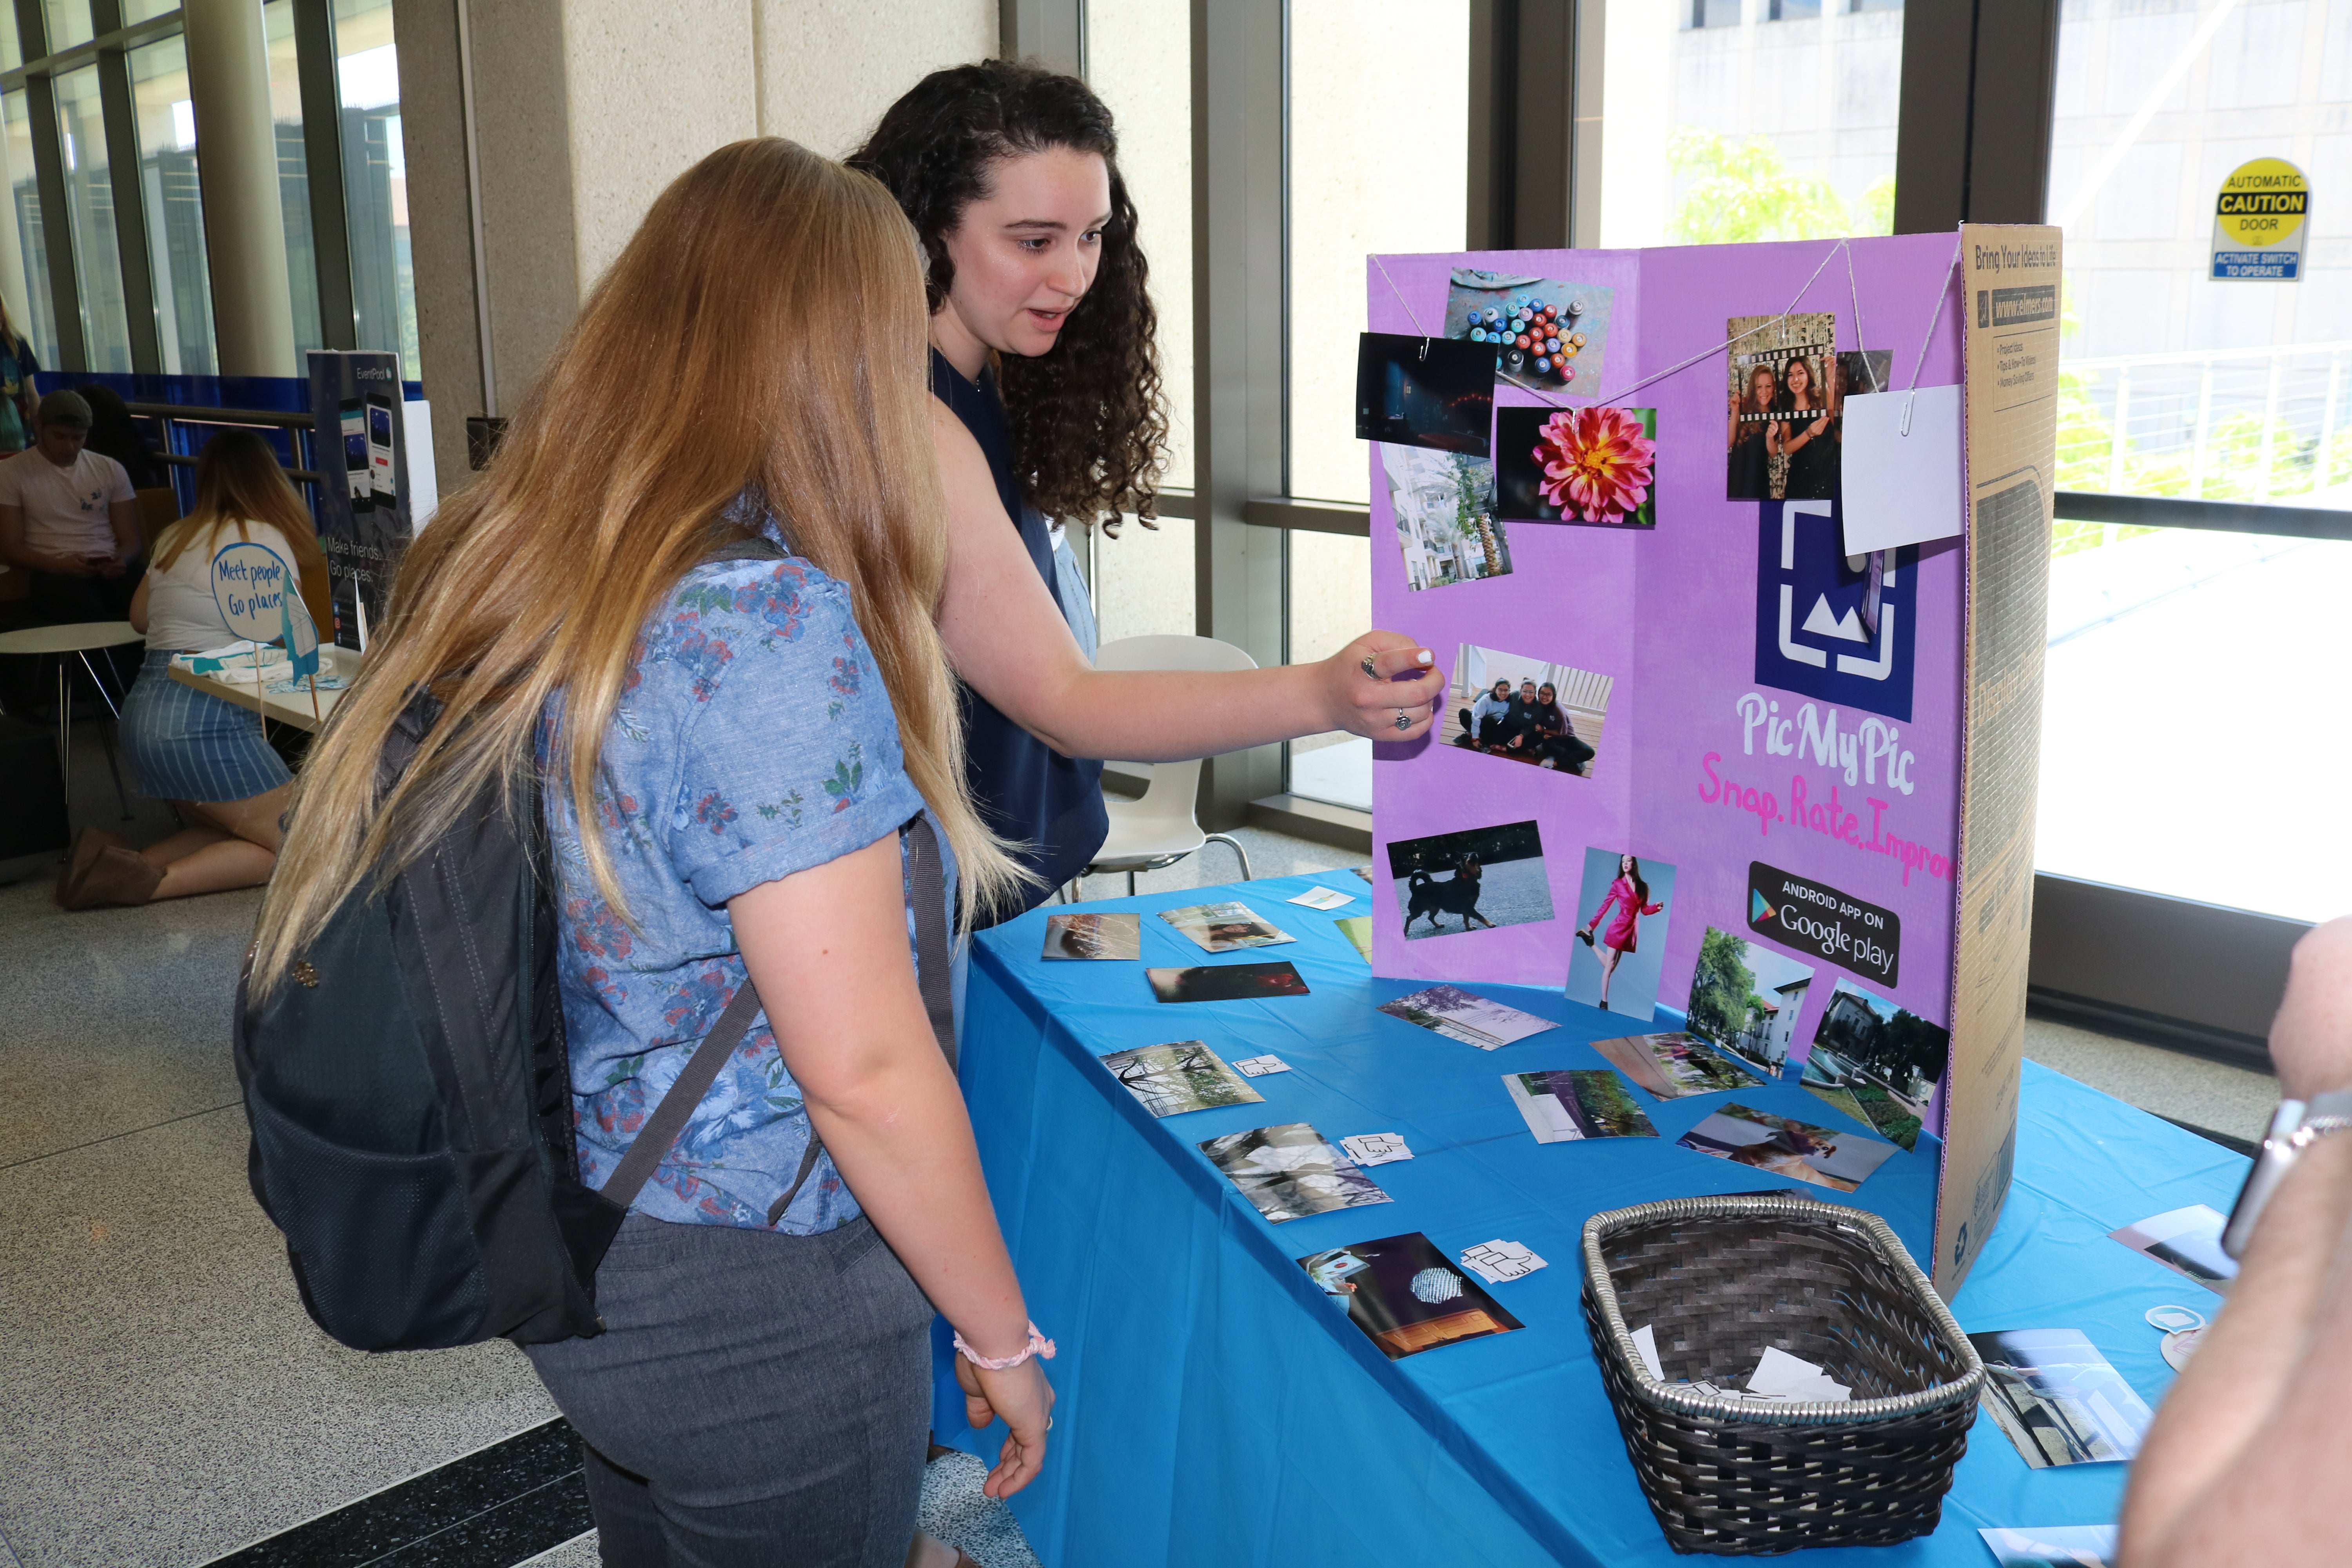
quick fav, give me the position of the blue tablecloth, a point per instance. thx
(1214, 1410)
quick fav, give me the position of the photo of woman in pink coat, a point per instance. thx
(1629, 895)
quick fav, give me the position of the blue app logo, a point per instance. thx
(1830, 625)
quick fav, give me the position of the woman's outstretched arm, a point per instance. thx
(1010, 643)
(2246, 1462)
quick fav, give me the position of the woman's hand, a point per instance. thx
(1025, 1399)
(2311, 1038)
(1369, 704)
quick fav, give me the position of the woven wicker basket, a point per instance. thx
(1717, 1279)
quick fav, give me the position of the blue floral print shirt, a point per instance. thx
(753, 739)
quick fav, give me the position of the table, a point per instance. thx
(81, 639)
(1213, 1410)
(284, 707)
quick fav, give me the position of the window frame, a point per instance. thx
(110, 50)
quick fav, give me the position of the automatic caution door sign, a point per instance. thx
(2260, 220)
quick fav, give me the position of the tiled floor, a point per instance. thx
(167, 1403)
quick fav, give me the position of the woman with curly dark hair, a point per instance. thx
(1046, 373)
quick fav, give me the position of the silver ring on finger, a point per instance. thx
(1403, 721)
(1371, 669)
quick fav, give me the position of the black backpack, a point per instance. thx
(410, 1096)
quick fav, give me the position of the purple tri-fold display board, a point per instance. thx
(1696, 764)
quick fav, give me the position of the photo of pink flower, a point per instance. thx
(1589, 467)
(1596, 463)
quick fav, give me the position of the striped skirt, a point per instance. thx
(185, 744)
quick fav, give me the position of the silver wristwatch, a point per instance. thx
(2294, 1127)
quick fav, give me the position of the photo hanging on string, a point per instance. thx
(1781, 442)
(1437, 392)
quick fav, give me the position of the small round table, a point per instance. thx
(81, 639)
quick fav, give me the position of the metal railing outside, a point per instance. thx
(2249, 425)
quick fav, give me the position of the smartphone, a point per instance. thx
(379, 451)
(355, 455)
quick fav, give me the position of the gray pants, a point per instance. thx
(756, 1398)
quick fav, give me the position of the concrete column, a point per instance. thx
(440, 226)
(237, 163)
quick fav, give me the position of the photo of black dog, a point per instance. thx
(1456, 896)
(1482, 879)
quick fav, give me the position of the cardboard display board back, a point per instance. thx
(359, 435)
(1696, 764)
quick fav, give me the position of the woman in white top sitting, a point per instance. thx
(205, 756)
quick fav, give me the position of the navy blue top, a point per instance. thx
(1048, 806)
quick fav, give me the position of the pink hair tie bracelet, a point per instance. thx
(1038, 1345)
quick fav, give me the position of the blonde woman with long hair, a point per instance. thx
(204, 753)
(729, 760)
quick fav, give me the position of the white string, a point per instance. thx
(1934, 316)
(1402, 301)
(1861, 343)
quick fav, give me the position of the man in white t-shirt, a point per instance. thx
(68, 517)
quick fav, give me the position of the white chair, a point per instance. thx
(1159, 828)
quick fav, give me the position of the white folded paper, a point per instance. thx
(1324, 899)
(1375, 1147)
(1498, 1262)
(1779, 1378)
(1258, 1066)
(1645, 1345)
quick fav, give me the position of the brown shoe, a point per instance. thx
(117, 875)
(86, 848)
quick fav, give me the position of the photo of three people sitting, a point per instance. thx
(1527, 711)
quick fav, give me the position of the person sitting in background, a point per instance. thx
(204, 753)
(67, 517)
(17, 367)
(2243, 1463)
(1483, 718)
(114, 433)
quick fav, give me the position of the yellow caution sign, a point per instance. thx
(2260, 220)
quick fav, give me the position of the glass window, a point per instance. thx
(69, 23)
(293, 174)
(89, 214)
(1140, 52)
(1379, 131)
(12, 47)
(2170, 641)
(36, 313)
(175, 211)
(375, 179)
(147, 10)
(1733, 129)
(1331, 606)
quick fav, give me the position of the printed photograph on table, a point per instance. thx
(1543, 331)
(1524, 710)
(1779, 442)
(1623, 908)
(1357, 929)
(1834, 627)
(1473, 1020)
(1323, 899)
(1443, 508)
(1674, 1066)
(2054, 1546)
(1481, 878)
(2058, 1399)
(1568, 1105)
(2188, 1241)
(1433, 393)
(1291, 1171)
(1745, 998)
(1224, 928)
(1406, 1295)
(1170, 1079)
(1226, 983)
(1595, 467)
(1094, 936)
(1787, 1147)
(1877, 1062)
